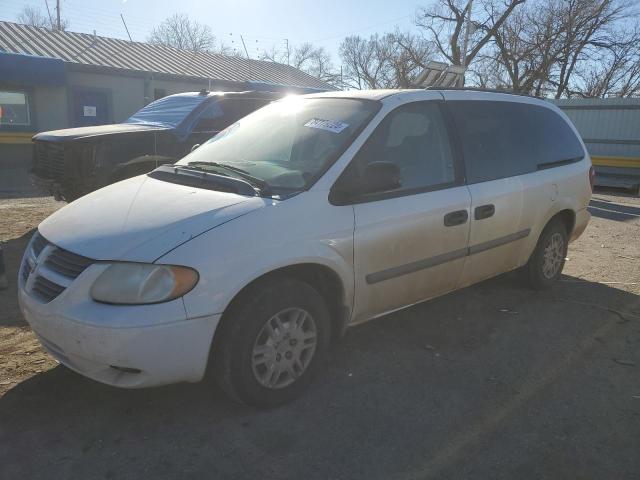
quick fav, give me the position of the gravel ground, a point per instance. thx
(494, 381)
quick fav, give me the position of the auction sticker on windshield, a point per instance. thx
(334, 126)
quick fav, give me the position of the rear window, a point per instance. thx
(504, 139)
(168, 111)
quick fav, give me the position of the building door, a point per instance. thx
(90, 107)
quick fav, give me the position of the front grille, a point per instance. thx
(38, 244)
(46, 289)
(67, 263)
(53, 269)
(49, 161)
(26, 270)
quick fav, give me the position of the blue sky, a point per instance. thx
(262, 23)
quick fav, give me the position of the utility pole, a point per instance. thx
(245, 47)
(287, 42)
(125, 27)
(58, 13)
(465, 43)
(49, 14)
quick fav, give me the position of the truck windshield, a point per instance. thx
(287, 144)
(168, 111)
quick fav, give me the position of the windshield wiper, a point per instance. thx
(262, 185)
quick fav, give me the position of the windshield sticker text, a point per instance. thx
(334, 126)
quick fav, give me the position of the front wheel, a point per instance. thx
(547, 260)
(272, 343)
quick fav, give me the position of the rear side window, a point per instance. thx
(505, 139)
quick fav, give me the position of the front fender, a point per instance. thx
(231, 256)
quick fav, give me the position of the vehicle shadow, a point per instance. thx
(394, 392)
(614, 211)
(15, 182)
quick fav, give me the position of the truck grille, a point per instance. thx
(47, 270)
(49, 161)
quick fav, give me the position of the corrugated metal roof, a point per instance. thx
(96, 51)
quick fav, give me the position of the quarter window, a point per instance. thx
(14, 109)
(414, 137)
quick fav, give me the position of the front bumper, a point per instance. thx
(47, 185)
(151, 344)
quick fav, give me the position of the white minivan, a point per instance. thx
(248, 257)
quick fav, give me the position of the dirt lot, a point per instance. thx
(495, 381)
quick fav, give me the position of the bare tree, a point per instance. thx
(443, 23)
(614, 72)
(36, 18)
(179, 31)
(392, 60)
(364, 63)
(313, 60)
(562, 48)
(527, 48)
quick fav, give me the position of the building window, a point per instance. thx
(14, 109)
(159, 93)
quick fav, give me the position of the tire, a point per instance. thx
(69, 195)
(276, 377)
(547, 260)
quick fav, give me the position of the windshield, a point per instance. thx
(168, 111)
(287, 144)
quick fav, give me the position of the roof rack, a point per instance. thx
(478, 89)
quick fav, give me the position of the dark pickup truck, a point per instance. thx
(73, 162)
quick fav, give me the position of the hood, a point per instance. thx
(69, 134)
(141, 218)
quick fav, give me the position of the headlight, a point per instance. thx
(142, 283)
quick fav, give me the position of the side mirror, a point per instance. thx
(377, 177)
(195, 146)
(380, 177)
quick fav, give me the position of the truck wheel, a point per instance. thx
(547, 260)
(69, 195)
(273, 343)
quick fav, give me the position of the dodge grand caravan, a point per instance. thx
(246, 258)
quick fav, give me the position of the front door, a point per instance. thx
(90, 107)
(410, 243)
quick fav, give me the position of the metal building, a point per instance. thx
(610, 127)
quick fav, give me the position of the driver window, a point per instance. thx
(414, 137)
(222, 113)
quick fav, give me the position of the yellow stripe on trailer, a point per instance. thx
(623, 162)
(16, 137)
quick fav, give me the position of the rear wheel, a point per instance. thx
(547, 261)
(272, 343)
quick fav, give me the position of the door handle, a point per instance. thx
(484, 211)
(456, 218)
